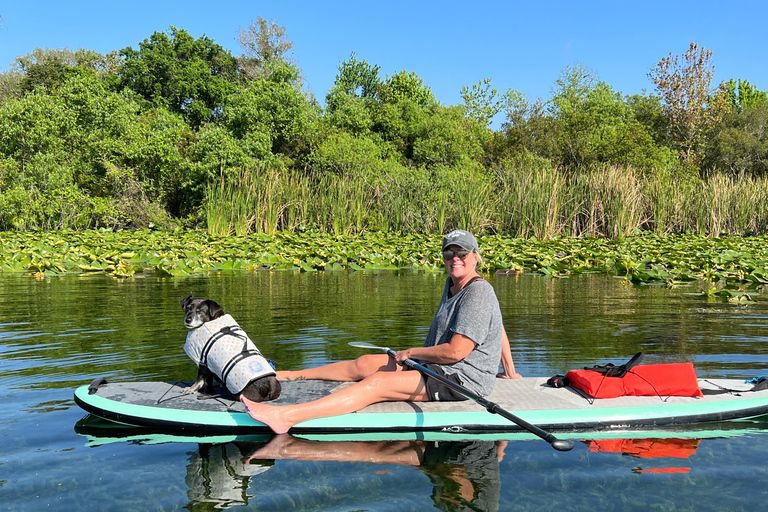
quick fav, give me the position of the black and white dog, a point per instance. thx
(223, 351)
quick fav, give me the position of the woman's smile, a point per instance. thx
(458, 267)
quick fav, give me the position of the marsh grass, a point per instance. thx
(521, 202)
(228, 206)
(530, 203)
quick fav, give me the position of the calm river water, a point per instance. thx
(61, 332)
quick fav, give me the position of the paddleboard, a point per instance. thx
(162, 406)
(99, 432)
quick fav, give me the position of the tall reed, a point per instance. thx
(521, 202)
(229, 205)
(531, 202)
(611, 202)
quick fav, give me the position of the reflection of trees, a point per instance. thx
(464, 474)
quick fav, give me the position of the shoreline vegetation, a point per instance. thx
(735, 268)
(177, 156)
(178, 132)
(526, 202)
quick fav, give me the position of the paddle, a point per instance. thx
(562, 445)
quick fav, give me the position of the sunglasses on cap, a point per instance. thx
(448, 255)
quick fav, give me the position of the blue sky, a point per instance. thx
(449, 44)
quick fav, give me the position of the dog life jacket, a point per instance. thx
(222, 347)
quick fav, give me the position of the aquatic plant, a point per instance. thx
(735, 266)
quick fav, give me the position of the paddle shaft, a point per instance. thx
(558, 444)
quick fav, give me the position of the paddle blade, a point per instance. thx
(367, 346)
(562, 445)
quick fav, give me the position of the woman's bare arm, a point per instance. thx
(506, 359)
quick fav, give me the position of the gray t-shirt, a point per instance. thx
(473, 312)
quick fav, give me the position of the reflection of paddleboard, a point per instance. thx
(161, 406)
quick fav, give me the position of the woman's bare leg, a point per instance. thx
(285, 446)
(344, 371)
(379, 387)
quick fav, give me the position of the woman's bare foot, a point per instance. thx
(270, 415)
(277, 448)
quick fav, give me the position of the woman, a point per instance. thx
(465, 343)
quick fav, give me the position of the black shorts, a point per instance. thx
(439, 392)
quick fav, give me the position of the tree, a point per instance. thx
(743, 95)
(571, 88)
(738, 145)
(648, 110)
(269, 117)
(406, 86)
(190, 76)
(527, 130)
(480, 102)
(50, 68)
(589, 124)
(569, 96)
(692, 107)
(265, 48)
(355, 78)
(444, 137)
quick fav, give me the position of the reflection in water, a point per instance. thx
(63, 332)
(464, 474)
(649, 449)
(219, 474)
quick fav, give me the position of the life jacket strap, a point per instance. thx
(236, 359)
(227, 330)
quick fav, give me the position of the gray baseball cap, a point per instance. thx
(463, 239)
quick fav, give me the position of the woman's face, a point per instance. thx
(458, 267)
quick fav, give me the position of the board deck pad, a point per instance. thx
(163, 405)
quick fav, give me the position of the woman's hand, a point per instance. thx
(402, 355)
(505, 375)
(446, 353)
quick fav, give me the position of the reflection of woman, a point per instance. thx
(465, 343)
(464, 474)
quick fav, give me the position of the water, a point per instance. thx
(59, 333)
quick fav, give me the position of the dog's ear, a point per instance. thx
(185, 302)
(214, 309)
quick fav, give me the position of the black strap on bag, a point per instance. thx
(608, 370)
(760, 384)
(558, 381)
(611, 370)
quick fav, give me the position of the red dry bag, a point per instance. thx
(677, 379)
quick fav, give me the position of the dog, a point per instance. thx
(224, 352)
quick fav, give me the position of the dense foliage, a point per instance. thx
(179, 132)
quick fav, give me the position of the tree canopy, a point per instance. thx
(142, 133)
(191, 77)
